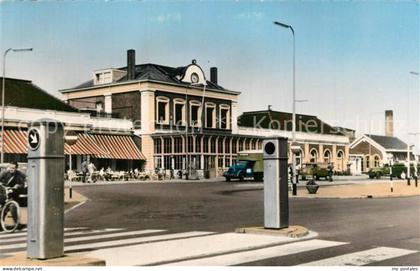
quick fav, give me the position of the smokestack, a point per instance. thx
(389, 123)
(131, 64)
(213, 75)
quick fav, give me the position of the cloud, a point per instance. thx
(254, 15)
(166, 17)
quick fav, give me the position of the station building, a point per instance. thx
(184, 120)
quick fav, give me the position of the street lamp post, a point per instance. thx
(293, 104)
(390, 159)
(408, 125)
(3, 94)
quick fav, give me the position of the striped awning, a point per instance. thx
(97, 146)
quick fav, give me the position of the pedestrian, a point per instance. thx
(330, 172)
(84, 167)
(91, 170)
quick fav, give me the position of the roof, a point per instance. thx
(269, 119)
(155, 72)
(389, 142)
(23, 93)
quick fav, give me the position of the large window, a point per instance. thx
(195, 113)
(376, 161)
(314, 156)
(224, 117)
(178, 144)
(179, 112)
(162, 110)
(158, 145)
(167, 145)
(210, 115)
(327, 156)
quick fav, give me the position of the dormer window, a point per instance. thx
(107, 76)
(193, 74)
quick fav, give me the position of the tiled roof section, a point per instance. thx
(156, 72)
(389, 142)
(22, 93)
(283, 121)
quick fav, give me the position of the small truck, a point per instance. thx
(249, 164)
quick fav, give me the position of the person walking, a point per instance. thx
(91, 169)
(84, 167)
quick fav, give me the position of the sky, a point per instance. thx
(353, 58)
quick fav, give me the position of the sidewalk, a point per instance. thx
(376, 189)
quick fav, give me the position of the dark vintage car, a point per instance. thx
(314, 171)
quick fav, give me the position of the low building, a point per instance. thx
(370, 151)
(318, 141)
(105, 141)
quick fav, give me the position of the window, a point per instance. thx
(220, 146)
(198, 144)
(167, 163)
(227, 145)
(158, 145)
(340, 161)
(376, 161)
(254, 145)
(178, 145)
(206, 145)
(367, 161)
(162, 105)
(210, 115)
(213, 145)
(234, 142)
(241, 144)
(179, 112)
(167, 145)
(195, 113)
(224, 117)
(314, 156)
(327, 156)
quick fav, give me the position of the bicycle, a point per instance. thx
(10, 210)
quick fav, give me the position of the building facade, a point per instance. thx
(104, 140)
(185, 121)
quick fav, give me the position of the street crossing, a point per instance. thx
(147, 247)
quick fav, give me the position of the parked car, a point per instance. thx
(314, 171)
(249, 164)
(397, 170)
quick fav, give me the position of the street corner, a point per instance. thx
(20, 259)
(76, 200)
(293, 231)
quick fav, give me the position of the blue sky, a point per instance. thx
(353, 58)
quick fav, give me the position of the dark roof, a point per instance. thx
(23, 93)
(269, 119)
(156, 72)
(343, 129)
(389, 142)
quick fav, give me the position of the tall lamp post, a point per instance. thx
(3, 94)
(295, 149)
(408, 125)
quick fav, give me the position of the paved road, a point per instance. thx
(351, 231)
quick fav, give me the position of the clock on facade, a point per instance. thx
(194, 77)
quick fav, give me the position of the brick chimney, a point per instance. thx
(213, 75)
(131, 64)
(389, 123)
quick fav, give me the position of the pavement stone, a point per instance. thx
(20, 259)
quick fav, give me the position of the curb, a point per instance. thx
(293, 231)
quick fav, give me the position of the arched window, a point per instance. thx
(327, 156)
(376, 161)
(340, 160)
(162, 110)
(314, 156)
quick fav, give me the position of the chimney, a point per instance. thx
(213, 75)
(389, 123)
(131, 64)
